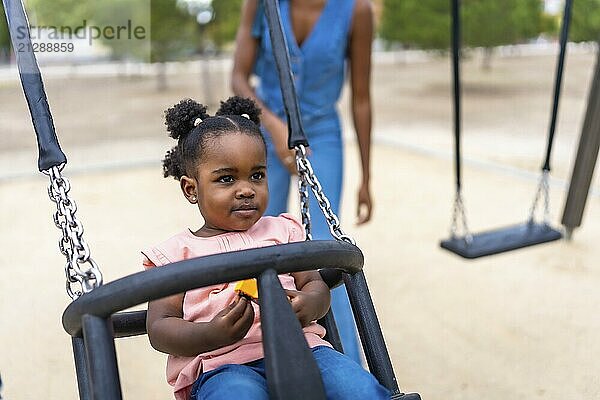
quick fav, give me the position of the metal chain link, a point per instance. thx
(542, 191)
(304, 203)
(458, 213)
(307, 178)
(81, 271)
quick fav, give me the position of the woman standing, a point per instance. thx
(325, 38)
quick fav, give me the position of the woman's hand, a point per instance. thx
(244, 59)
(364, 206)
(279, 134)
(233, 322)
(306, 305)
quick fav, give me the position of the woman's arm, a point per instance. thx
(244, 58)
(170, 333)
(311, 301)
(361, 37)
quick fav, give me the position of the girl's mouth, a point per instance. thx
(245, 207)
(245, 211)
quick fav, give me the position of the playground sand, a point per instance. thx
(518, 325)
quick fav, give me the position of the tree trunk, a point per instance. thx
(4, 55)
(161, 76)
(486, 62)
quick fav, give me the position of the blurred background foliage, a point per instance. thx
(425, 24)
(175, 33)
(4, 38)
(586, 21)
(485, 23)
(422, 24)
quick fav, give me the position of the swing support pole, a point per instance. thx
(587, 155)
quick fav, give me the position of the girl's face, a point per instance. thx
(230, 184)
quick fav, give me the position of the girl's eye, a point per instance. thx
(225, 179)
(257, 176)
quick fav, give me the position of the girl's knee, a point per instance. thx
(365, 387)
(345, 379)
(233, 381)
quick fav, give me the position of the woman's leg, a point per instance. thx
(231, 381)
(326, 158)
(344, 379)
(278, 179)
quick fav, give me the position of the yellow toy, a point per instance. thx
(247, 288)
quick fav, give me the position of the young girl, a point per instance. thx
(212, 335)
(327, 40)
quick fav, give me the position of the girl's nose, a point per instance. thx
(245, 191)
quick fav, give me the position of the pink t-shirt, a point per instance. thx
(201, 305)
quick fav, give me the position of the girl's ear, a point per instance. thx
(189, 187)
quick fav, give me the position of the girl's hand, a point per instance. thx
(364, 207)
(306, 305)
(233, 322)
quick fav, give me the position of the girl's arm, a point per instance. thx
(361, 37)
(311, 301)
(244, 58)
(170, 333)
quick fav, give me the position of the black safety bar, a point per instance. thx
(185, 275)
(133, 323)
(291, 370)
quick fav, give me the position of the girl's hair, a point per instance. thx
(189, 123)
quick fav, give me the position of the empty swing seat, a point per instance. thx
(502, 239)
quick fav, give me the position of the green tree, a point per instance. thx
(491, 23)
(585, 23)
(485, 23)
(174, 31)
(58, 12)
(416, 23)
(222, 29)
(120, 13)
(4, 37)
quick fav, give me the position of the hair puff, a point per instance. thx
(240, 105)
(172, 164)
(180, 118)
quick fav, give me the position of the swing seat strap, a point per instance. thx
(49, 151)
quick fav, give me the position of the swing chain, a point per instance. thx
(307, 178)
(458, 212)
(71, 244)
(304, 204)
(542, 191)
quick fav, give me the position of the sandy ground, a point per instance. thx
(517, 325)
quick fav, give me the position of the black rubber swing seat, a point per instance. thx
(503, 239)
(516, 236)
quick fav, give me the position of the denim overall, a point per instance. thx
(318, 67)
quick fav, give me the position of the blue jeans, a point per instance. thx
(343, 379)
(326, 158)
